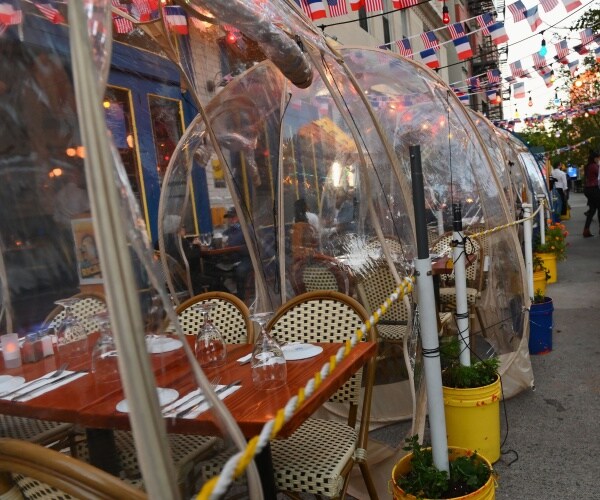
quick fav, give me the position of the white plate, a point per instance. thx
(165, 396)
(157, 345)
(9, 383)
(294, 352)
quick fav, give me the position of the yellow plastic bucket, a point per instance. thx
(473, 419)
(550, 264)
(539, 282)
(403, 467)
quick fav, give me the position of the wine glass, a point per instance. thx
(104, 355)
(205, 239)
(210, 346)
(269, 370)
(71, 335)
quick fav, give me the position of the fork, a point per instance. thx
(182, 401)
(57, 373)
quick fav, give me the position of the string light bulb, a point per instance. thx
(445, 14)
(556, 99)
(231, 37)
(552, 76)
(530, 103)
(543, 50)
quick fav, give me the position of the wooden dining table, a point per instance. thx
(93, 405)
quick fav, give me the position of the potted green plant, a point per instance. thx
(471, 402)
(541, 275)
(540, 324)
(415, 475)
(554, 249)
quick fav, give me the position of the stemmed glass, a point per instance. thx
(104, 355)
(269, 370)
(205, 239)
(210, 346)
(71, 336)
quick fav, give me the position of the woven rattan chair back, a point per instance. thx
(87, 306)
(230, 315)
(443, 247)
(323, 316)
(43, 473)
(318, 272)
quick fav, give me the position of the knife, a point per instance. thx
(47, 384)
(183, 413)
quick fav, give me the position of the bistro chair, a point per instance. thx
(87, 306)
(38, 472)
(319, 272)
(318, 457)
(230, 315)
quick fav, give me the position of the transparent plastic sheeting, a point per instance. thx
(49, 239)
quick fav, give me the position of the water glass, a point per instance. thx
(71, 336)
(269, 369)
(210, 345)
(105, 364)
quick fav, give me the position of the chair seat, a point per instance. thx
(312, 459)
(31, 429)
(186, 449)
(392, 332)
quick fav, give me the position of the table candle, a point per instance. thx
(11, 351)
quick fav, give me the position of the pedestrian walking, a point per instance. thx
(591, 190)
(561, 187)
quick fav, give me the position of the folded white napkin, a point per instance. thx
(45, 384)
(192, 399)
(157, 344)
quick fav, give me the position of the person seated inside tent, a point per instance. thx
(305, 238)
(240, 260)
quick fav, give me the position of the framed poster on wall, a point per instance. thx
(86, 251)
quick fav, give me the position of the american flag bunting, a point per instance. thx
(516, 69)
(122, 25)
(587, 36)
(539, 61)
(456, 30)
(484, 20)
(562, 49)
(517, 10)
(10, 12)
(404, 47)
(548, 5)
(403, 4)
(373, 5)
(337, 8)
(49, 11)
(493, 75)
(430, 41)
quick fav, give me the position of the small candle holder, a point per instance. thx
(11, 352)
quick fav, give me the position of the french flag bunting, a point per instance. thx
(533, 18)
(581, 49)
(463, 48)
(404, 47)
(373, 5)
(175, 19)
(587, 36)
(456, 31)
(49, 11)
(314, 9)
(539, 61)
(337, 8)
(485, 20)
(517, 69)
(548, 5)
(571, 4)
(429, 58)
(357, 4)
(430, 41)
(492, 95)
(122, 25)
(493, 75)
(597, 54)
(546, 74)
(573, 66)
(10, 12)
(562, 49)
(517, 10)
(403, 4)
(464, 98)
(519, 90)
(498, 33)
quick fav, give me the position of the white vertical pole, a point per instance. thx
(541, 198)
(528, 247)
(460, 287)
(428, 319)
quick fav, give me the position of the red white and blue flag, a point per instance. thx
(463, 48)
(430, 41)
(314, 9)
(176, 19)
(571, 4)
(548, 5)
(573, 66)
(533, 18)
(519, 90)
(581, 49)
(498, 33)
(49, 11)
(337, 8)
(546, 74)
(484, 20)
(587, 36)
(462, 96)
(141, 9)
(404, 47)
(403, 4)
(122, 25)
(473, 83)
(518, 11)
(562, 49)
(429, 58)
(10, 12)
(539, 61)
(597, 54)
(492, 95)
(493, 75)
(357, 4)
(517, 69)
(456, 30)
(373, 5)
